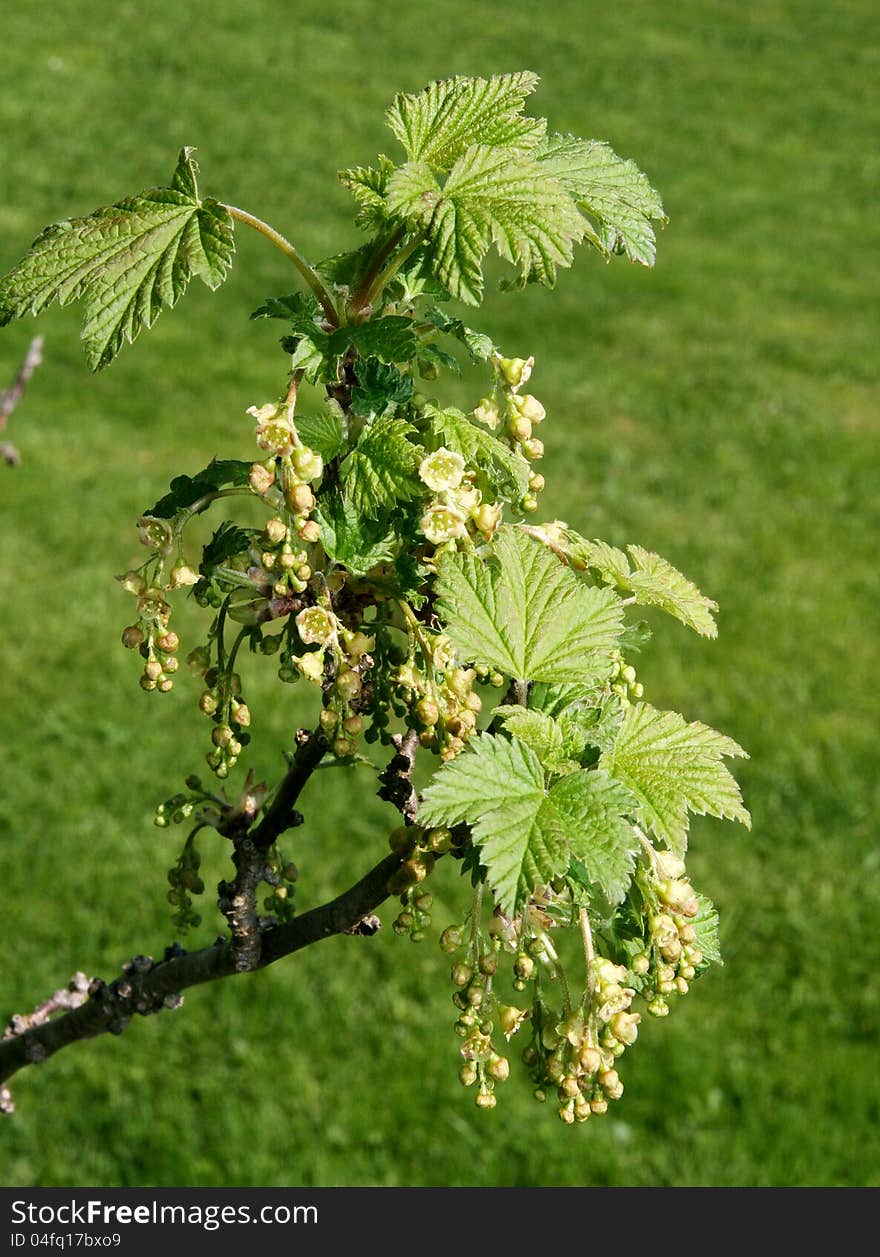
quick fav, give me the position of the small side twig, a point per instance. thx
(397, 786)
(13, 395)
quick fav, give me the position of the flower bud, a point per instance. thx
(308, 464)
(428, 712)
(461, 974)
(300, 499)
(311, 666)
(520, 428)
(132, 636)
(467, 1074)
(276, 531)
(498, 1068)
(531, 408)
(168, 641)
(641, 963)
(261, 478)
(533, 450)
(208, 703)
(309, 531)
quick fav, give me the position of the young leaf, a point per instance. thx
(673, 767)
(497, 787)
(348, 538)
(478, 344)
(507, 472)
(324, 431)
(526, 835)
(382, 468)
(593, 809)
(706, 925)
(367, 186)
(537, 731)
(437, 125)
(491, 196)
(378, 387)
(293, 307)
(654, 582)
(186, 490)
(524, 612)
(128, 261)
(227, 542)
(614, 194)
(390, 339)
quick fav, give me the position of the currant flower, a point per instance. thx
(442, 470)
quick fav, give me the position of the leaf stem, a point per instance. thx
(309, 274)
(387, 274)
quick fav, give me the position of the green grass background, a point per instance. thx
(720, 409)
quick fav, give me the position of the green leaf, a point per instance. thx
(379, 386)
(506, 472)
(293, 307)
(432, 356)
(438, 124)
(186, 490)
(706, 924)
(390, 339)
(348, 538)
(324, 431)
(614, 194)
(522, 611)
(654, 582)
(478, 345)
(367, 185)
(527, 835)
(593, 810)
(537, 731)
(228, 541)
(382, 469)
(497, 787)
(491, 197)
(128, 261)
(673, 767)
(553, 698)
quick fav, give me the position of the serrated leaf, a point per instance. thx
(343, 270)
(379, 385)
(594, 810)
(390, 339)
(187, 490)
(553, 698)
(537, 731)
(507, 472)
(432, 356)
(228, 541)
(654, 581)
(127, 261)
(612, 192)
(439, 123)
(478, 345)
(707, 927)
(324, 432)
(491, 197)
(382, 469)
(522, 611)
(367, 185)
(526, 835)
(293, 307)
(497, 787)
(348, 538)
(673, 768)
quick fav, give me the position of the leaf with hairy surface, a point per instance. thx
(522, 611)
(128, 261)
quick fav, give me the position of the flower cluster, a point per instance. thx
(291, 467)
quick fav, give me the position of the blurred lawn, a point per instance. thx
(720, 409)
